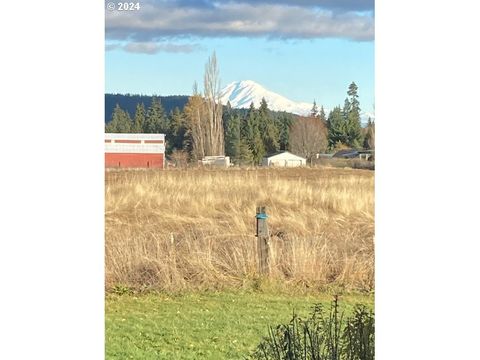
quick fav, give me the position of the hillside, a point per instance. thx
(129, 102)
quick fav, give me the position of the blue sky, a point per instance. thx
(301, 49)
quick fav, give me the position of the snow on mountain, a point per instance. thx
(242, 93)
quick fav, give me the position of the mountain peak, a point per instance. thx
(246, 83)
(242, 93)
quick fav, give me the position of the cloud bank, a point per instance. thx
(158, 20)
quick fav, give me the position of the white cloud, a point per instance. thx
(161, 20)
(153, 47)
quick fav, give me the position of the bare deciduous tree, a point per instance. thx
(308, 136)
(369, 141)
(204, 115)
(214, 144)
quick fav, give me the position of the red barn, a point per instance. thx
(135, 150)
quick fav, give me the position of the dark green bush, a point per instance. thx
(325, 335)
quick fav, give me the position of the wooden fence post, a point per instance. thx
(263, 241)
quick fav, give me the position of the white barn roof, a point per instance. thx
(134, 136)
(284, 154)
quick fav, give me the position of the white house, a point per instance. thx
(284, 159)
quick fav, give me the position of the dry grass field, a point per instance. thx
(176, 230)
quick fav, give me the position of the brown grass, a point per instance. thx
(194, 229)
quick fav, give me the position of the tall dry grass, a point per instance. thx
(194, 229)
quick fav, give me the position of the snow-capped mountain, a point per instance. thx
(242, 93)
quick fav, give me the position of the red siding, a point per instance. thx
(138, 160)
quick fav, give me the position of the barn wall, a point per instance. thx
(140, 160)
(134, 150)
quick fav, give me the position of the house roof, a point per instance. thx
(283, 152)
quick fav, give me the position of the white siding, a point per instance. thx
(139, 148)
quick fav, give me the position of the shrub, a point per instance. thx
(322, 336)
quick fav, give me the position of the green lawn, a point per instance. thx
(200, 325)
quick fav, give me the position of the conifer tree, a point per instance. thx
(268, 131)
(283, 123)
(245, 156)
(250, 132)
(120, 123)
(352, 117)
(227, 116)
(156, 121)
(232, 136)
(247, 126)
(228, 109)
(322, 115)
(314, 111)
(139, 118)
(344, 125)
(258, 149)
(347, 107)
(353, 93)
(178, 129)
(336, 127)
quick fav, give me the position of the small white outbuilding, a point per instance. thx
(218, 161)
(284, 159)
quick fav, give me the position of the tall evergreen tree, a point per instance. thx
(336, 125)
(347, 107)
(247, 127)
(314, 111)
(268, 131)
(245, 155)
(178, 129)
(120, 123)
(352, 117)
(283, 123)
(232, 136)
(228, 109)
(250, 132)
(353, 93)
(322, 115)
(139, 118)
(258, 149)
(227, 115)
(156, 122)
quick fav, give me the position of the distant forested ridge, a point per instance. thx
(128, 102)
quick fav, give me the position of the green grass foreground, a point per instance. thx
(210, 325)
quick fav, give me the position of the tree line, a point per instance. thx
(128, 102)
(206, 127)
